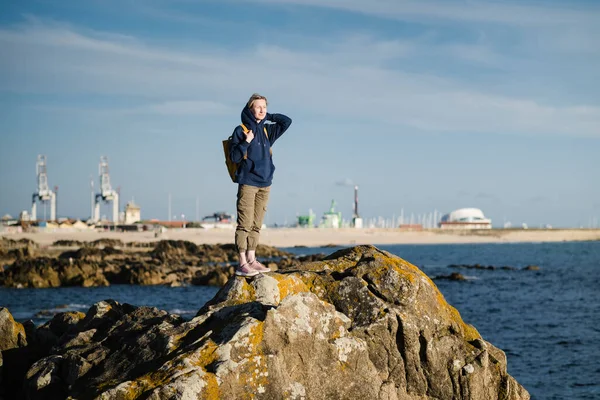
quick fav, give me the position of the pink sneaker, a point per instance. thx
(258, 267)
(245, 270)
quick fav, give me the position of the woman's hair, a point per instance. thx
(255, 97)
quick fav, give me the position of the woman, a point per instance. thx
(251, 148)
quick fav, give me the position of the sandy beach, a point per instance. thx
(290, 237)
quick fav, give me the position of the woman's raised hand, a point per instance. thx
(249, 136)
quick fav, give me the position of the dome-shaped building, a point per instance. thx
(465, 218)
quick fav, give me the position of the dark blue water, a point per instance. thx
(546, 321)
(24, 304)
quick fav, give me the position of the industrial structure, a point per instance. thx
(357, 221)
(465, 218)
(306, 221)
(332, 218)
(43, 193)
(107, 193)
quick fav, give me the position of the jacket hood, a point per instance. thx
(249, 120)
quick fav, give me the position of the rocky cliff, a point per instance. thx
(360, 324)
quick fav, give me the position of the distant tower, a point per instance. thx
(92, 202)
(356, 219)
(355, 202)
(106, 192)
(55, 199)
(43, 193)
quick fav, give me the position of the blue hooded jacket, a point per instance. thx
(258, 168)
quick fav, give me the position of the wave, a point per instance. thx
(182, 312)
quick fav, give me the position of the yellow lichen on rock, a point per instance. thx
(393, 278)
(317, 284)
(252, 369)
(207, 355)
(127, 390)
(236, 291)
(75, 315)
(288, 285)
(167, 376)
(247, 292)
(469, 332)
(211, 390)
(452, 315)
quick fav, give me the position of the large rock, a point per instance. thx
(12, 333)
(12, 336)
(44, 272)
(360, 324)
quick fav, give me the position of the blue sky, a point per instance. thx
(424, 104)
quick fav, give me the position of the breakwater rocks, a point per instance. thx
(105, 262)
(456, 276)
(493, 267)
(362, 323)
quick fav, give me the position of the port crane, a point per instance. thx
(43, 193)
(107, 193)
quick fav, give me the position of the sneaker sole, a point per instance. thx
(246, 274)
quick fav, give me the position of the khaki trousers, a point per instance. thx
(251, 207)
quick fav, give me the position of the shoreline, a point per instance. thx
(318, 237)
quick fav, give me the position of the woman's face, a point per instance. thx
(259, 109)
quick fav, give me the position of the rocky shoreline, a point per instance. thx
(361, 323)
(167, 262)
(108, 261)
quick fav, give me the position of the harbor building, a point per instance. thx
(465, 218)
(132, 213)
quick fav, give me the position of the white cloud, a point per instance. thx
(167, 108)
(341, 79)
(184, 108)
(470, 11)
(345, 182)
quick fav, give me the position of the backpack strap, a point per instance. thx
(246, 130)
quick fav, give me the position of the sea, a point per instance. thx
(546, 321)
